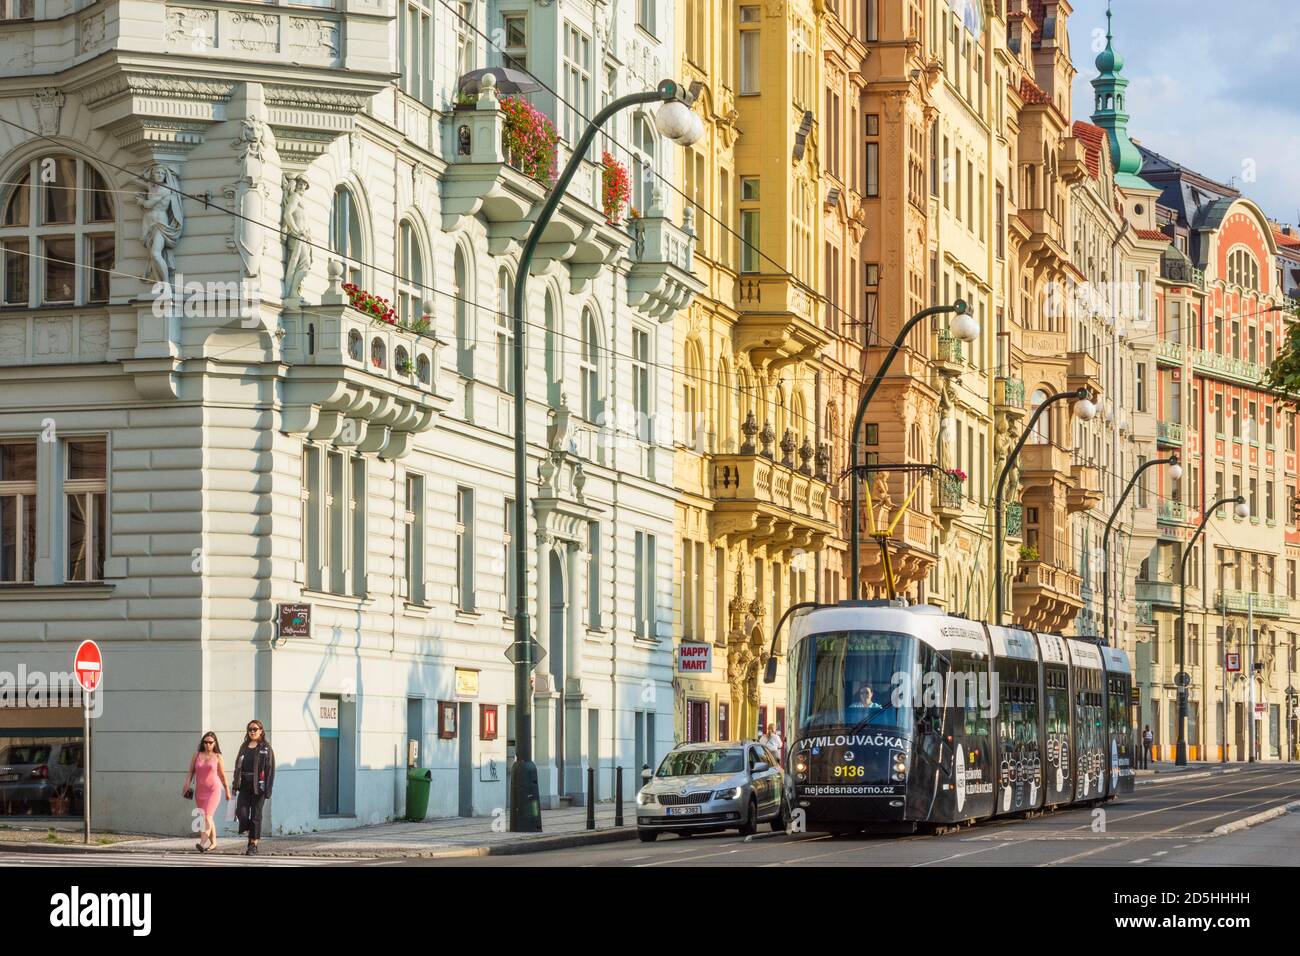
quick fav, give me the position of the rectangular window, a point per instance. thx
(577, 82)
(720, 595)
(645, 15)
(413, 540)
(749, 240)
(644, 576)
(1218, 414)
(641, 384)
(515, 51)
(750, 39)
(999, 225)
(1141, 386)
(593, 575)
(17, 511)
(509, 555)
(873, 169)
(415, 50)
(956, 172)
(934, 159)
(465, 549)
(357, 511)
(85, 488)
(1236, 418)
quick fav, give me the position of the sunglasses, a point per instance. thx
(209, 741)
(254, 730)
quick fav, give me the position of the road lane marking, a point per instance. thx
(956, 856)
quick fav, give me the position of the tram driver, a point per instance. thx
(864, 704)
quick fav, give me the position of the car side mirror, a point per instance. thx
(760, 767)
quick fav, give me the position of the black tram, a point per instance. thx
(904, 716)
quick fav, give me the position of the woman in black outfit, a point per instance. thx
(253, 777)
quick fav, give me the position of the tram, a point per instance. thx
(905, 717)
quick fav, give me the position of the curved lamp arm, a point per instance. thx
(1105, 541)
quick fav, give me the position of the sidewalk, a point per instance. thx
(451, 837)
(1163, 767)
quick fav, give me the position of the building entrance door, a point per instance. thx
(465, 738)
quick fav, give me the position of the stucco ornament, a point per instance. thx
(250, 144)
(297, 242)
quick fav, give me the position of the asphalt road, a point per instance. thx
(1168, 822)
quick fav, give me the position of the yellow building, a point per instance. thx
(754, 508)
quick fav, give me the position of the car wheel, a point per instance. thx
(779, 821)
(750, 823)
(647, 836)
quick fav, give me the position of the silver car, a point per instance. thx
(712, 786)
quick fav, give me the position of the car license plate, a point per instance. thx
(682, 811)
(8, 777)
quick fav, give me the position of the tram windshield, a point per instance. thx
(855, 679)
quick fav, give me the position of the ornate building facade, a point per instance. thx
(260, 440)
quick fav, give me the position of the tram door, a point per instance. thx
(1089, 719)
(1058, 762)
(1020, 771)
(973, 771)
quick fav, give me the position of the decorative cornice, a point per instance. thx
(153, 85)
(316, 99)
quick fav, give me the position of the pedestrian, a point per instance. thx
(1148, 742)
(254, 777)
(774, 742)
(208, 776)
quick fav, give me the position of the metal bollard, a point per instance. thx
(618, 796)
(591, 798)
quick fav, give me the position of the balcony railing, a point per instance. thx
(1009, 392)
(1227, 367)
(756, 478)
(1170, 433)
(1145, 613)
(1171, 512)
(949, 493)
(1015, 514)
(1176, 270)
(949, 348)
(1169, 352)
(1163, 593)
(1258, 602)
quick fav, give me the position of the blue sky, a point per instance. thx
(1211, 86)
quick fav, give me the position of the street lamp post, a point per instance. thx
(1084, 408)
(967, 329)
(1180, 753)
(1175, 472)
(679, 123)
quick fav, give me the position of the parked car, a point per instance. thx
(42, 778)
(712, 786)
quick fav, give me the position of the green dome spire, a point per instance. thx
(1110, 114)
(1108, 60)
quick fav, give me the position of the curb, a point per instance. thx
(1248, 822)
(1185, 775)
(534, 845)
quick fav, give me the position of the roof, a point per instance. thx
(1031, 92)
(1282, 239)
(1152, 234)
(1094, 140)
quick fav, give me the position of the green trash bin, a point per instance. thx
(418, 784)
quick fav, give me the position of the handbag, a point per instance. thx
(189, 793)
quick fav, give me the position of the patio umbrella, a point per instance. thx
(508, 81)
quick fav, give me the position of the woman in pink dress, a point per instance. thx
(208, 773)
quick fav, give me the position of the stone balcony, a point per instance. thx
(355, 382)
(1169, 353)
(949, 497)
(767, 503)
(1169, 434)
(1227, 368)
(1009, 397)
(949, 353)
(1046, 242)
(661, 278)
(777, 322)
(1159, 593)
(1043, 463)
(1085, 488)
(1045, 597)
(1084, 372)
(484, 179)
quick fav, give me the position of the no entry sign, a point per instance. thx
(88, 665)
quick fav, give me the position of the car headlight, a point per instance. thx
(644, 798)
(729, 794)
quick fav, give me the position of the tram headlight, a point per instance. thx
(801, 767)
(898, 765)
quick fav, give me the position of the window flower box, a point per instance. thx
(529, 140)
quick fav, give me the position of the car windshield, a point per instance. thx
(847, 679)
(14, 755)
(686, 763)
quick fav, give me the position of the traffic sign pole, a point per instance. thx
(88, 667)
(85, 802)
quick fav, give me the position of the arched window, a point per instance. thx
(345, 233)
(643, 143)
(355, 345)
(402, 361)
(726, 403)
(466, 333)
(693, 418)
(410, 274)
(554, 355)
(57, 236)
(505, 335)
(378, 353)
(590, 371)
(422, 369)
(1042, 433)
(798, 422)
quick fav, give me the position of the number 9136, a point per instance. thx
(848, 771)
